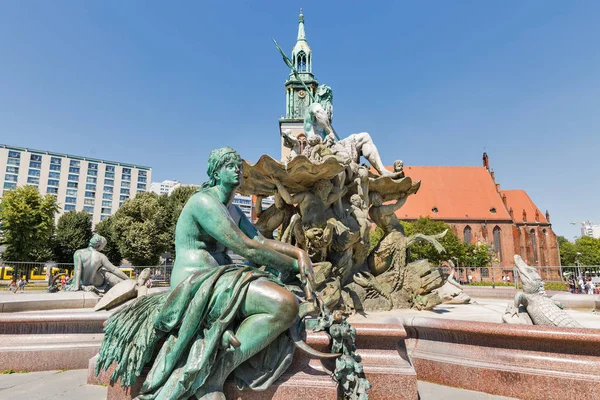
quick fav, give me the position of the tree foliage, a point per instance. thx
(141, 229)
(427, 226)
(104, 228)
(589, 249)
(27, 220)
(73, 232)
(174, 204)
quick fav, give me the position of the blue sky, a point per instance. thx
(435, 83)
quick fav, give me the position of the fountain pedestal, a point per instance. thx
(381, 348)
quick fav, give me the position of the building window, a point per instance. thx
(54, 167)
(88, 209)
(110, 175)
(125, 177)
(69, 207)
(108, 189)
(52, 190)
(141, 186)
(142, 173)
(74, 163)
(106, 211)
(36, 157)
(35, 164)
(90, 194)
(123, 198)
(498, 242)
(92, 172)
(103, 217)
(13, 161)
(90, 186)
(485, 273)
(73, 185)
(142, 179)
(110, 182)
(140, 190)
(11, 178)
(534, 246)
(12, 170)
(69, 199)
(14, 154)
(106, 203)
(107, 196)
(467, 235)
(127, 170)
(10, 185)
(89, 202)
(54, 175)
(55, 160)
(32, 180)
(126, 184)
(34, 172)
(124, 191)
(73, 177)
(92, 166)
(74, 170)
(52, 182)
(91, 179)
(110, 168)
(71, 192)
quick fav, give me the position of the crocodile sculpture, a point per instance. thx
(532, 306)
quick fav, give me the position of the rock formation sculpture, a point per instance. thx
(452, 291)
(532, 306)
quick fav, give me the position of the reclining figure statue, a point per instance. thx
(93, 270)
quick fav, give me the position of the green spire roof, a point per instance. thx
(301, 54)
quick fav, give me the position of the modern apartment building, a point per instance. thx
(164, 187)
(98, 187)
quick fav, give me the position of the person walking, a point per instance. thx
(571, 284)
(22, 284)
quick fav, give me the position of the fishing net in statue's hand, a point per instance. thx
(298, 175)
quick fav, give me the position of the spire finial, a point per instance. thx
(301, 34)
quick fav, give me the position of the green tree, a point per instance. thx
(141, 229)
(375, 237)
(475, 255)
(567, 251)
(27, 220)
(73, 232)
(174, 204)
(589, 249)
(427, 226)
(105, 228)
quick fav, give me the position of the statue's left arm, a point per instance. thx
(304, 263)
(108, 266)
(392, 208)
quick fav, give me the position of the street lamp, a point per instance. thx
(458, 268)
(577, 263)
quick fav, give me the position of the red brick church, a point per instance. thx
(470, 200)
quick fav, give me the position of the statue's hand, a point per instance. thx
(307, 275)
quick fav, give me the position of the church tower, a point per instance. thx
(297, 100)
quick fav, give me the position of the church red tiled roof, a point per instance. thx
(519, 200)
(454, 193)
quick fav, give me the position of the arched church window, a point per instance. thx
(498, 242)
(467, 235)
(534, 245)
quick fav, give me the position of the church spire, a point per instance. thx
(301, 54)
(301, 34)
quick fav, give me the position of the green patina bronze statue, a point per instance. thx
(219, 317)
